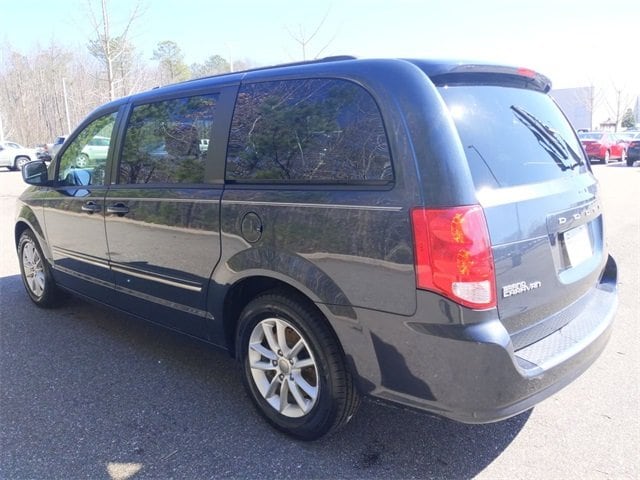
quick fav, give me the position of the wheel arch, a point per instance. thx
(20, 227)
(249, 287)
(27, 220)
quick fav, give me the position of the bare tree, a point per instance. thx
(304, 40)
(31, 97)
(113, 51)
(34, 103)
(621, 101)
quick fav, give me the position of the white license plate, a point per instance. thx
(578, 245)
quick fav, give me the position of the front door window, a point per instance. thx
(84, 160)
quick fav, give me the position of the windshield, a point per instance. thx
(513, 136)
(625, 136)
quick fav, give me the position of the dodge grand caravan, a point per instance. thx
(427, 233)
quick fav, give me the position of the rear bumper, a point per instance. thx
(468, 371)
(600, 155)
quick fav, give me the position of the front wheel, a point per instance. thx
(623, 156)
(607, 157)
(35, 272)
(21, 162)
(293, 368)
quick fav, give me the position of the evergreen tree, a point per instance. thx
(628, 120)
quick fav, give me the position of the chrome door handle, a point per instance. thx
(91, 207)
(119, 209)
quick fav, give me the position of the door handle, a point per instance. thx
(119, 209)
(91, 207)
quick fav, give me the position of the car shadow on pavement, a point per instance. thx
(86, 391)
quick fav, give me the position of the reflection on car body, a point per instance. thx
(603, 146)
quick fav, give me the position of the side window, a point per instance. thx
(84, 160)
(167, 141)
(307, 131)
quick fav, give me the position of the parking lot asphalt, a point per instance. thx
(88, 392)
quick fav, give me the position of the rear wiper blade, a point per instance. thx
(550, 140)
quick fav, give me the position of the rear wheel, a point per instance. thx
(623, 156)
(35, 272)
(607, 157)
(293, 367)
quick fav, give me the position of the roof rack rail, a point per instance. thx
(335, 58)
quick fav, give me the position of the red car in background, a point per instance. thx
(603, 146)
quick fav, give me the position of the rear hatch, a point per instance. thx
(539, 196)
(634, 147)
(592, 147)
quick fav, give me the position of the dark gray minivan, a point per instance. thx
(425, 232)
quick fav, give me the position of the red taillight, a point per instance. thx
(453, 254)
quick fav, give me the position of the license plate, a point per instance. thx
(578, 245)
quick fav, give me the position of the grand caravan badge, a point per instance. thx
(518, 288)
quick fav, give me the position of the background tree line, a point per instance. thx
(49, 90)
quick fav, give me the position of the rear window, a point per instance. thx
(513, 136)
(590, 136)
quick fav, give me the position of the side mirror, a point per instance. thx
(35, 173)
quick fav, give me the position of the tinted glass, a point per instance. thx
(311, 131)
(82, 162)
(163, 141)
(513, 136)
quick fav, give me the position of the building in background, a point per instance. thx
(577, 104)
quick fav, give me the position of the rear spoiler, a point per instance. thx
(481, 74)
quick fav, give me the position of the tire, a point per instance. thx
(82, 160)
(293, 367)
(35, 272)
(21, 162)
(630, 162)
(607, 157)
(623, 156)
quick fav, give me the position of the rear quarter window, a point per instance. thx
(307, 131)
(513, 136)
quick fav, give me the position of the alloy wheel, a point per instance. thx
(283, 367)
(33, 269)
